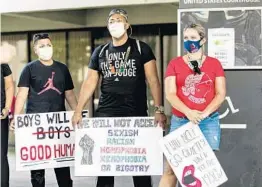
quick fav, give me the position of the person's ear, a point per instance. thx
(35, 49)
(203, 41)
(107, 26)
(127, 25)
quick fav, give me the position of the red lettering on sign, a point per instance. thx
(64, 150)
(23, 154)
(39, 152)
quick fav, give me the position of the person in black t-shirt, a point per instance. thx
(45, 84)
(124, 66)
(7, 93)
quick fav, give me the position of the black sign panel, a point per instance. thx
(241, 148)
(240, 152)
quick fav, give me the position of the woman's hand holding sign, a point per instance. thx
(12, 125)
(77, 119)
(4, 113)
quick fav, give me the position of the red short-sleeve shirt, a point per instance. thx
(194, 90)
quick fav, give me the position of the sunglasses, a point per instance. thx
(190, 26)
(40, 36)
(196, 69)
(118, 11)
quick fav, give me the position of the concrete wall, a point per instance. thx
(143, 14)
(20, 23)
(32, 5)
(48, 20)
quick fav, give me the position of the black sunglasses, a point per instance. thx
(190, 26)
(196, 69)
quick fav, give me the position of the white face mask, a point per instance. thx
(117, 29)
(45, 53)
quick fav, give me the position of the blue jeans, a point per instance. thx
(210, 127)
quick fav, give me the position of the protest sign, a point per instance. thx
(118, 147)
(191, 158)
(44, 140)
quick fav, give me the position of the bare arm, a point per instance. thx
(153, 81)
(171, 95)
(71, 99)
(21, 97)
(220, 87)
(87, 89)
(9, 91)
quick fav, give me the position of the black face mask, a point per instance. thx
(196, 69)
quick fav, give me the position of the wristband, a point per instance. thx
(159, 109)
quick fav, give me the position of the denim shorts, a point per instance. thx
(210, 127)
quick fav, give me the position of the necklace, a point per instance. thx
(122, 64)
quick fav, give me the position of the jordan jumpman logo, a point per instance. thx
(50, 85)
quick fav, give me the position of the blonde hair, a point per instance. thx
(199, 28)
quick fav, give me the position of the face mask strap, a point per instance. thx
(201, 38)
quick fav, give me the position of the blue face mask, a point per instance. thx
(192, 46)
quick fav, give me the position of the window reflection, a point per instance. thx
(16, 44)
(154, 43)
(79, 49)
(170, 52)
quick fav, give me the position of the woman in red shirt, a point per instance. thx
(195, 87)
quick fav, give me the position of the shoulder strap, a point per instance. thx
(102, 50)
(104, 47)
(138, 46)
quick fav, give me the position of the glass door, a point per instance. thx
(169, 52)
